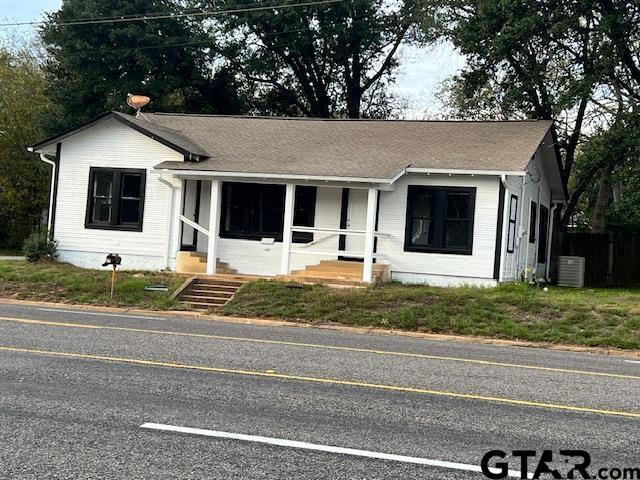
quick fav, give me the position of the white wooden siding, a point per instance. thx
(476, 268)
(536, 188)
(111, 144)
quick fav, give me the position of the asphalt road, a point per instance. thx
(76, 387)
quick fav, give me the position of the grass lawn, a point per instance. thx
(60, 282)
(593, 317)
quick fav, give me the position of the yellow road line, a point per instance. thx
(331, 381)
(319, 346)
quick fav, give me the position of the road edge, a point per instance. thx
(328, 326)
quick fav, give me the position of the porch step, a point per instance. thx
(209, 292)
(327, 280)
(196, 262)
(336, 272)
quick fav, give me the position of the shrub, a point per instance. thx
(39, 245)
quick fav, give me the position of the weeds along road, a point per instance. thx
(118, 396)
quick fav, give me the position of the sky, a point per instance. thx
(422, 70)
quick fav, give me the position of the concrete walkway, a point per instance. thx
(12, 257)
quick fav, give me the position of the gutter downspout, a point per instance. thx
(51, 191)
(505, 226)
(166, 255)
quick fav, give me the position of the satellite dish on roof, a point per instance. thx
(137, 101)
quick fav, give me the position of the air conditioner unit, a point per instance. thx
(571, 271)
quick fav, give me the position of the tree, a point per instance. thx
(570, 61)
(616, 151)
(24, 179)
(92, 67)
(322, 60)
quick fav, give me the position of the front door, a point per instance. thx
(191, 210)
(356, 219)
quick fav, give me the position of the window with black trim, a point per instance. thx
(440, 219)
(115, 199)
(543, 231)
(511, 226)
(254, 211)
(533, 214)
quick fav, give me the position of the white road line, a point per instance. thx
(632, 361)
(80, 312)
(322, 448)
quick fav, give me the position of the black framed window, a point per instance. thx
(543, 231)
(533, 217)
(115, 199)
(511, 226)
(254, 211)
(440, 219)
(304, 213)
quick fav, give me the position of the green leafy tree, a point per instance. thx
(322, 60)
(24, 179)
(571, 61)
(616, 152)
(92, 67)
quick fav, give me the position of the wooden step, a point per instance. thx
(208, 293)
(215, 282)
(218, 293)
(221, 288)
(332, 273)
(320, 280)
(204, 305)
(203, 299)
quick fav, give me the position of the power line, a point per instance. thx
(156, 16)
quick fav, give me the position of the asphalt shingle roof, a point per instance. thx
(351, 148)
(371, 149)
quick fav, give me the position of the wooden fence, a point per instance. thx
(611, 258)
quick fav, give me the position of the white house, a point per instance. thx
(439, 202)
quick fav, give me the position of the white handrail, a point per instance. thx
(341, 231)
(317, 241)
(342, 253)
(194, 225)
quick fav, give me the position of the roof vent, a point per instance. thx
(137, 102)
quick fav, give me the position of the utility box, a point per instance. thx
(571, 271)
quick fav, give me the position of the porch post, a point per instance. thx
(289, 199)
(369, 236)
(177, 230)
(214, 226)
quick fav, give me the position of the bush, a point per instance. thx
(39, 245)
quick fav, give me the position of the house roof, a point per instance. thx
(353, 148)
(380, 149)
(168, 136)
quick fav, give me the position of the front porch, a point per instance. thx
(320, 232)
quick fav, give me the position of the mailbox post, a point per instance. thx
(114, 260)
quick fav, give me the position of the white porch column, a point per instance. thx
(214, 226)
(177, 224)
(370, 226)
(289, 199)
